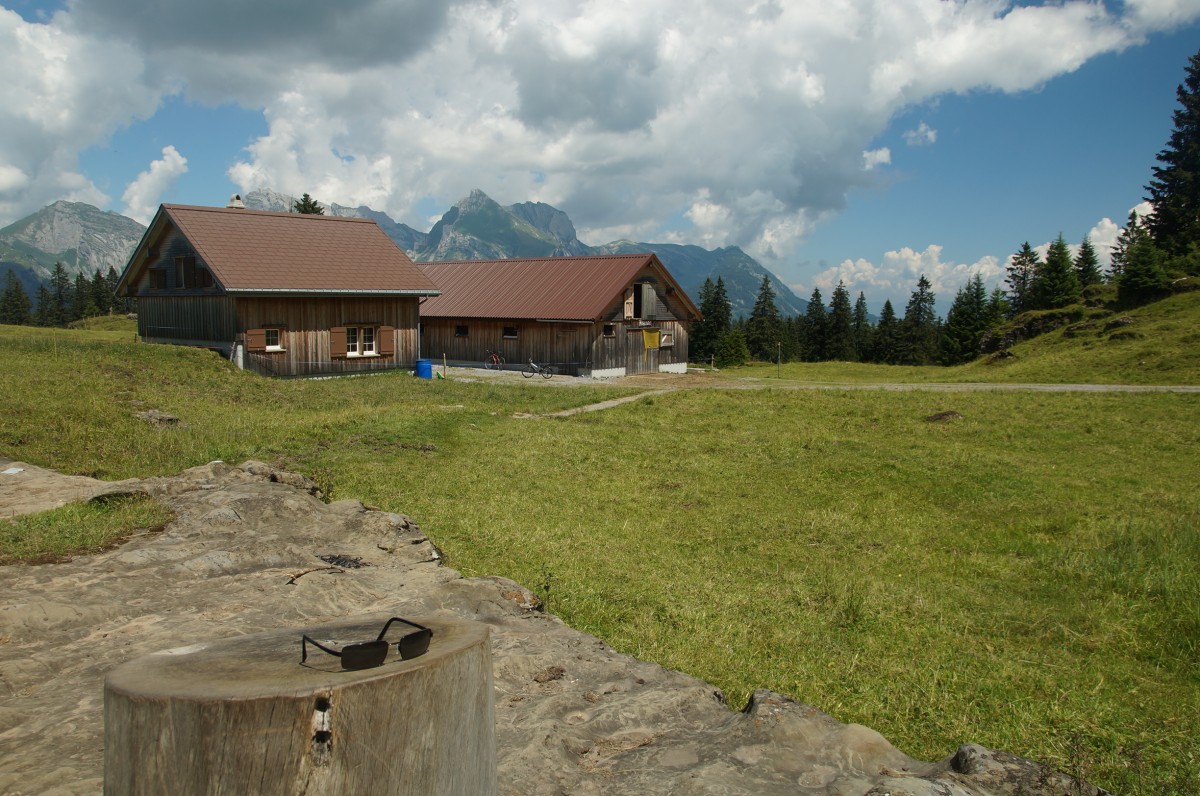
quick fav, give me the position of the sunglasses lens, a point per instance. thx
(414, 644)
(364, 656)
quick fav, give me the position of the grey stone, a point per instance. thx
(572, 715)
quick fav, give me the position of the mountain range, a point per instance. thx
(85, 239)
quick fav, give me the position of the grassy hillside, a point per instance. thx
(1026, 577)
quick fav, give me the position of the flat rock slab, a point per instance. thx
(573, 716)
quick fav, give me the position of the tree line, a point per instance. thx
(61, 300)
(1150, 253)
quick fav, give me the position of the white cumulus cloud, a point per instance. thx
(143, 196)
(922, 135)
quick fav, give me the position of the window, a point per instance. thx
(185, 272)
(610, 330)
(360, 341)
(460, 331)
(158, 279)
(272, 339)
(666, 340)
(510, 333)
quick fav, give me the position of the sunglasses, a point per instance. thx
(369, 654)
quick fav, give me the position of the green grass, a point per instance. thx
(1025, 577)
(77, 529)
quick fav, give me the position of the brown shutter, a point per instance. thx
(387, 341)
(256, 339)
(337, 342)
(628, 303)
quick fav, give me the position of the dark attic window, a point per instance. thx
(510, 333)
(610, 330)
(460, 331)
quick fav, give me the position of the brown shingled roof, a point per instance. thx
(253, 251)
(551, 288)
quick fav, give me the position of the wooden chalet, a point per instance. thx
(279, 293)
(603, 316)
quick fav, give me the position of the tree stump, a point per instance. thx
(242, 715)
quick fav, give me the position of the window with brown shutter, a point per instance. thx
(256, 340)
(387, 341)
(337, 342)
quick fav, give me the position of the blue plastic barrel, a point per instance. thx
(424, 369)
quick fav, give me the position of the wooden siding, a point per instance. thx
(194, 320)
(626, 347)
(566, 346)
(305, 325)
(173, 244)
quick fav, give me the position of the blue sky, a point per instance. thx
(862, 140)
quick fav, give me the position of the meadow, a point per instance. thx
(1026, 577)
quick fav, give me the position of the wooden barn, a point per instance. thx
(282, 294)
(603, 316)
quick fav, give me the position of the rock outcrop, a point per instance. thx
(573, 716)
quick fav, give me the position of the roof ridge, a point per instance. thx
(639, 255)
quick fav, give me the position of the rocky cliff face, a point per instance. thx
(572, 714)
(83, 238)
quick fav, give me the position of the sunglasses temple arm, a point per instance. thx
(322, 647)
(383, 632)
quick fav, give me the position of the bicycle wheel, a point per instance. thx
(528, 372)
(547, 372)
(489, 362)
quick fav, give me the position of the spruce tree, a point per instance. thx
(306, 205)
(732, 349)
(46, 310)
(1087, 264)
(862, 327)
(101, 296)
(1144, 277)
(918, 338)
(839, 343)
(966, 321)
(60, 292)
(1133, 231)
(764, 329)
(702, 338)
(1056, 285)
(1022, 278)
(885, 345)
(82, 305)
(1174, 189)
(14, 302)
(816, 321)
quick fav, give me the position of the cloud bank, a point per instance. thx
(747, 121)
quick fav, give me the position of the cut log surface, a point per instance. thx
(243, 715)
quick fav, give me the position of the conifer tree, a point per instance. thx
(702, 339)
(997, 308)
(1022, 278)
(1174, 189)
(764, 330)
(966, 321)
(14, 302)
(46, 310)
(60, 292)
(1133, 231)
(816, 320)
(862, 327)
(1087, 264)
(732, 349)
(839, 343)
(101, 297)
(1144, 277)
(918, 338)
(1056, 285)
(82, 305)
(885, 346)
(306, 205)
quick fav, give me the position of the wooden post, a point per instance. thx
(242, 715)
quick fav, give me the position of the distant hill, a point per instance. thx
(83, 238)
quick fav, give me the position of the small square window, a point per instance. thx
(158, 279)
(460, 331)
(510, 332)
(274, 339)
(610, 330)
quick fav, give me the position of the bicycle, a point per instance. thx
(492, 360)
(533, 368)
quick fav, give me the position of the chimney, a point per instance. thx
(235, 203)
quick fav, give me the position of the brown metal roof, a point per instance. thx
(551, 288)
(258, 251)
